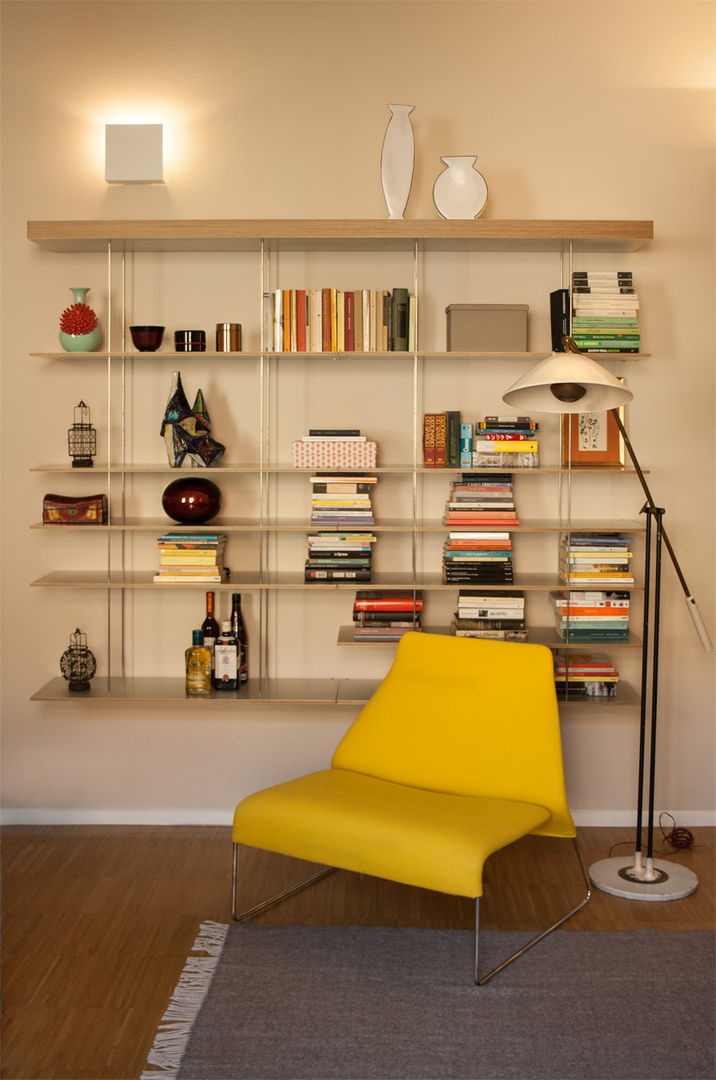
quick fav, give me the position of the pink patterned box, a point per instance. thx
(334, 455)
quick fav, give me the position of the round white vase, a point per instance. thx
(460, 191)
(397, 159)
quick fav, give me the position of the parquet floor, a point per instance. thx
(98, 921)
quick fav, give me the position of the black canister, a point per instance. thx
(190, 340)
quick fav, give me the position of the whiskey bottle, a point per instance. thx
(226, 659)
(238, 628)
(198, 667)
(210, 627)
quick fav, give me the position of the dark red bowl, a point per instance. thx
(147, 338)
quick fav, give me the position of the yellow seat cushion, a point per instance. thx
(419, 837)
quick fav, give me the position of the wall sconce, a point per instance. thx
(134, 153)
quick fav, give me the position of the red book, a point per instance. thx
(301, 320)
(440, 441)
(429, 440)
(326, 319)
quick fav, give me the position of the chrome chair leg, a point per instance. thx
(480, 981)
(265, 905)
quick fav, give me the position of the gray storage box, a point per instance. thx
(487, 327)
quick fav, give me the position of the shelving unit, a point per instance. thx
(268, 524)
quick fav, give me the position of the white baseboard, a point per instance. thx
(47, 815)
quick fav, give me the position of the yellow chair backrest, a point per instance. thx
(468, 717)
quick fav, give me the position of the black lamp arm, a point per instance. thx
(690, 601)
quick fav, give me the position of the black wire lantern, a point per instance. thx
(82, 438)
(77, 663)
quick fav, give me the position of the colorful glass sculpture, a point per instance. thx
(187, 431)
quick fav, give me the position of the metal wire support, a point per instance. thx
(265, 905)
(480, 981)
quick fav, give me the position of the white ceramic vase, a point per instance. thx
(460, 191)
(397, 158)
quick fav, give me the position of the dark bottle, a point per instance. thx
(210, 627)
(238, 628)
(226, 659)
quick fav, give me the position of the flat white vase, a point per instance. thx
(397, 159)
(460, 191)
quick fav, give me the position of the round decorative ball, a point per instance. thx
(192, 500)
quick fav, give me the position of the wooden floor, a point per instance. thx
(99, 921)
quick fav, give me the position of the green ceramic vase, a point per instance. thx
(81, 342)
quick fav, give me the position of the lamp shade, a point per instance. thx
(567, 382)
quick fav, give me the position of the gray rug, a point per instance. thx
(365, 1003)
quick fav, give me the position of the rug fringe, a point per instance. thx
(175, 1027)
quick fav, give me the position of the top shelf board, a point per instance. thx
(247, 235)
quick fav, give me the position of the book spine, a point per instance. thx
(429, 440)
(399, 321)
(466, 445)
(452, 422)
(440, 440)
(559, 317)
(349, 316)
(301, 320)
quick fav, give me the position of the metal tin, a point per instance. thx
(228, 337)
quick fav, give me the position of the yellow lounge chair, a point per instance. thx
(456, 755)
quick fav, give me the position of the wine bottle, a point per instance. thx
(198, 666)
(210, 627)
(226, 659)
(238, 627)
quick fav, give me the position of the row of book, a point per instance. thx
(600, 312)
(334, 448)
(381, 615)
(496, 615)
(188, 557)
(596, 559)
(592, 615)
(496, 441)
(339, 556)
(333, 320)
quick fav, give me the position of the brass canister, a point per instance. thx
(228, 337)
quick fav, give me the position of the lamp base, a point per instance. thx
(656, 880)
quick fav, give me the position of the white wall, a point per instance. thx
(575, 110)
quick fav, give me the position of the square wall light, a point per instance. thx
(133, 153)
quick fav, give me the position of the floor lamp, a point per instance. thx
(570, 382)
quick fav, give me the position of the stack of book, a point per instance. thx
(477, 556)
(339, 556)
(481, 499)
(342, 499)
(188, 557)
(599, 615)
(506, 442)
(332, 320)
(604, 311)
(334, 448)
(585, 675)
(496, 615)
(596, 559)
(386, 614)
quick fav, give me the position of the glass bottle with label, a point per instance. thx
(238, 628)
(226, 659)
(198, 667)
(210, 627)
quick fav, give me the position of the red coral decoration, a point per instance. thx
(78, 319)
